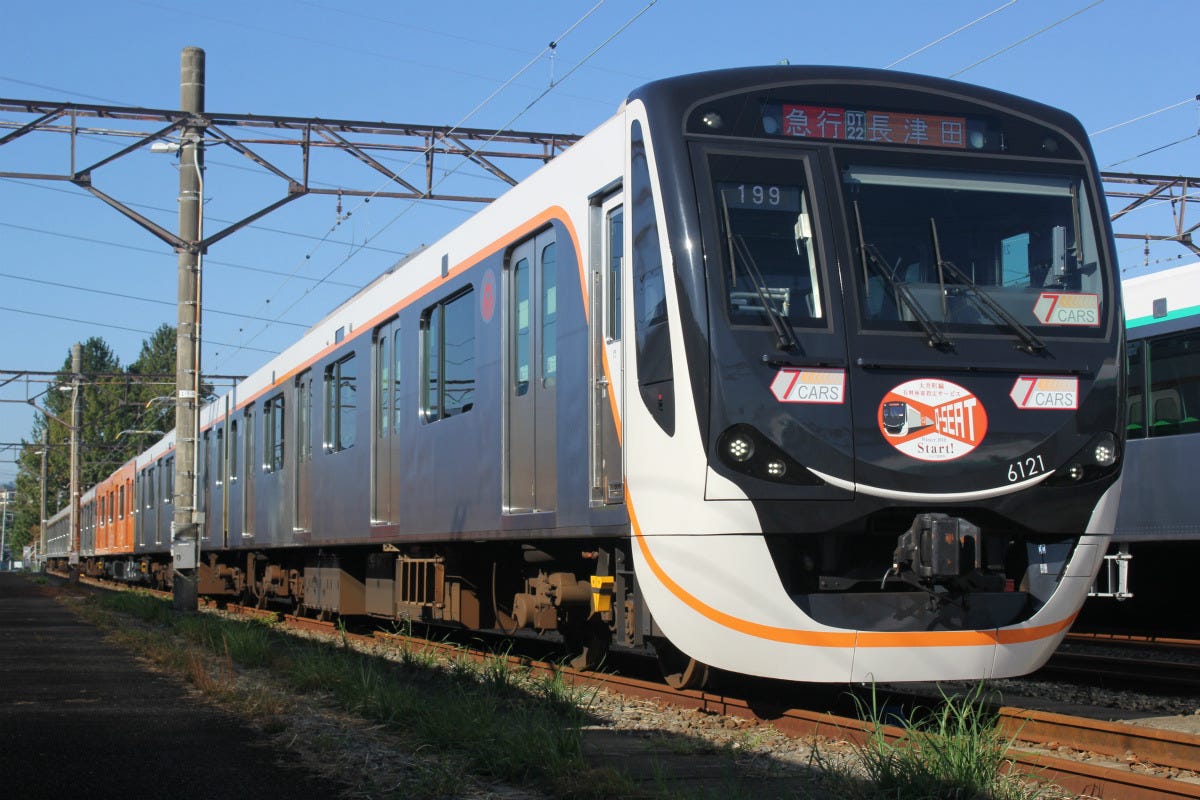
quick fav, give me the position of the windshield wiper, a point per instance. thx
(871, 256)
(1030, 343)
(786, 340)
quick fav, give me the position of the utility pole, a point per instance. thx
(42, 516)
(185, 539)
(76, 427)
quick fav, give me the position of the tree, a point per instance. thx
(114, 404)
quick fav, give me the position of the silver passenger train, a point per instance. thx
(803, 372)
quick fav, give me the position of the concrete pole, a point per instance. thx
(42, 515)
(76, 428)
(185, 543)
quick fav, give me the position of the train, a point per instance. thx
(808, 373)
(1157, 533)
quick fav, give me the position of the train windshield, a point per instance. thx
(773, 275)
(973, 252)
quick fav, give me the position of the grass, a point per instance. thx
(468, 722)
(952, 752)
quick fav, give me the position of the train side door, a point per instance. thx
(607, 469)
(386, 438)
(532, 375)
(302, 453)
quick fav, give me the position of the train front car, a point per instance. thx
(880, 312)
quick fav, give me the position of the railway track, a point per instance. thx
(1130, 752)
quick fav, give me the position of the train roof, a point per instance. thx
(1167, 300)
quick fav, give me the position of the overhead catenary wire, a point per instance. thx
(1024, 39)
(954, 32)
(1183, 102)
(553, 45)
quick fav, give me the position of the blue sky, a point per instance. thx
(1107, 62)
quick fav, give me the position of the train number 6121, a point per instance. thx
(1026, 468)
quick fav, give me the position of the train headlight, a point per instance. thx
(1105, 453)
(776, 468)
(1075, 472)
(740, 448)
(1098, 458)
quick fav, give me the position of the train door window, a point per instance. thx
(396, 351)
(531, 330)
(385, 456)
(651, 329)
(102, 507)
(301, 498)
(220, 457)
(448, 338)
(549, 316)
(121, 502)
(251, 468)
(340, 404)
(616, 255)
(233, 451)
(169, 480)
(273, 434)
(150, 489)
(112, 508)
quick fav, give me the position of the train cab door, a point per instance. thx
(607, 257)
(385, 464)
(532, 376)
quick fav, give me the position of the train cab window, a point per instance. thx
(341, 389)
(448, 355)
(975, 252)
(768, 242)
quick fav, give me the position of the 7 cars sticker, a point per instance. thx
(1039, 392)
(809, 385)
(1067, 308)
(932, 419)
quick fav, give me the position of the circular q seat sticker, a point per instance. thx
(932, 420)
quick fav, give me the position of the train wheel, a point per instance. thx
(680, 670)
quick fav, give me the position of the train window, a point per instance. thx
(273, 433)
(953, 246)
(248, 439)
(304, 417)
(396, 350)
(168, 489)
(233, 450)
(149, 484)
(383, 387)
(549, 316)
(768, 239)
(1173, 396)
(1135, 395)
(616, 245)
(651, 331)
(448, 346)
(341, 382)
(220, 457)
(522, 338)
(102, 506)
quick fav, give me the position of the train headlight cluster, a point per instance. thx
(1098, 458)
(744, 449)
(740, 448)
